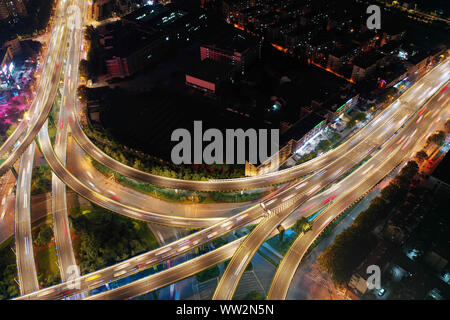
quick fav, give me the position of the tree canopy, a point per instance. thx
(421, 156)
(44, 236)
(357, 117)
(107, 238)
(437, 138)
(301, 225)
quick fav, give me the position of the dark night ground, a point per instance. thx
(147, 123)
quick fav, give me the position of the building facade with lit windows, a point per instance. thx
(232, 47)
(97, 8)
(146, 35)
(12, 9)
(129, 50)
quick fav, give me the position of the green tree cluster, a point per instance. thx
(11, 130)
(42, 179)
(437, 138)
(160, 167)
(357, 117)
(334, 138)
(301, 225)
(44, 235)
(421, 156)
(254, 295)
(324, 145)
(107, 238)
(84, 68)
(306, 157)
(208, 274)
(82, 93)
(8, 272)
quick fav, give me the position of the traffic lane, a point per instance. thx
(111, 204)
(66, 257)
(144, 260)
(80, 166)
(230, 278)
(35, 126)
(294, 258)
(246, 251)
(161, 279)
(288, 267)
(24, 242)
(7, 184)
(236, 184)
(33, 108)
(171, 275)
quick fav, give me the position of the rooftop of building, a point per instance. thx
(301, 127)
(148, 13)
(367, 59)
(210, 70)
(363, 37)
(122, 42)
(339, 100)
(228, 38)
(322, 36)
(343, 49)
(417, 53)
(391, 47)
(392, 70)
(156, 17)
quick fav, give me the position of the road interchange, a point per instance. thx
(299, 192)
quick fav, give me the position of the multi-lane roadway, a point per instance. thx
(415, 135)
(326, 168)
(186, 244)
(386, 158)
(26, 266)
(64, 248)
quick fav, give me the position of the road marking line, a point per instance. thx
(288, 197)
(368, 169)
(241, 264)
(299, 186)
(25, 204)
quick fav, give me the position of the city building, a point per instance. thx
(6, 64)
(128, 50)
(97, 8)
(14, 46)
(365, 64)
(146, 35)
(12, 9)
(341, 55)
(234, 47)
(292, 140)
(208, 75)
(6, 57)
